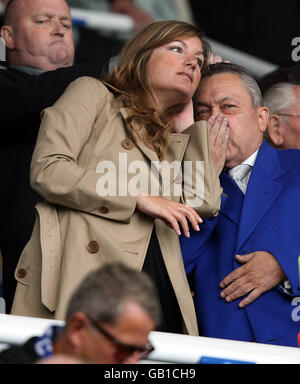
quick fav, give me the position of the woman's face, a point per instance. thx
(174, 71)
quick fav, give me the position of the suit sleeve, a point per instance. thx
(202, 189)
(55, 171)
(23, 99)
(286, 247)
(193, 247)
(288, 260)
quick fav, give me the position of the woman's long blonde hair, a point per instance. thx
(129, 79)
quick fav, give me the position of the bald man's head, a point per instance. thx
(12, 11)
(38, 34)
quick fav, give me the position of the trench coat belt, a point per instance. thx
(51, 253)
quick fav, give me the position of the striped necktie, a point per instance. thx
(241, 175)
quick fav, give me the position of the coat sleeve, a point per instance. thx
(202, 189)
(65, 130)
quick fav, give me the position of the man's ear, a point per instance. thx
(275, 130)
(263, 117)
(7, 34)
(77, 325)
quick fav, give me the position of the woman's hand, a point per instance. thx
(170, 212)
(213, 59)
(219, 139)
(183, 117)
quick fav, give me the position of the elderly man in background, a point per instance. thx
(251, 249)
(283, 101)
(108, 321)
(40, 51)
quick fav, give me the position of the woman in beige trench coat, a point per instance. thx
(106, 163)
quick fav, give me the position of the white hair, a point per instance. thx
(278, 98)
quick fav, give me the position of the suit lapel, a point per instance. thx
(263, 188)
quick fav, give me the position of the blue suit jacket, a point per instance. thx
(267, 218)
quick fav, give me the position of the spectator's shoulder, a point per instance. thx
(87, 83)
(289, 159)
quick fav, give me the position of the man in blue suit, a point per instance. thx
(251, 249)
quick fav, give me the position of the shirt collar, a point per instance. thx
(29, 70)
(251, 159)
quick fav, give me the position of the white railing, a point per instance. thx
(169, 348)
(102, 20)
(256, 66)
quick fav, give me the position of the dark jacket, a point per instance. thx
(20, 354)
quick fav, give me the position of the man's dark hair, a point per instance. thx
(104, 293)
(246, 77)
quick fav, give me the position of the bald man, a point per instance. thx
(40, 50)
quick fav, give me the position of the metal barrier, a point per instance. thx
(256, 66)
(169, 348)
(101, 20)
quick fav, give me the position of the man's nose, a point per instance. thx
(58, 29)
(215, 111)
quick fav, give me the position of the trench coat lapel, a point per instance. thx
(263, 188)
(151, 155)
(176, 149)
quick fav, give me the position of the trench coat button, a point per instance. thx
(179, 179)
(128, 144)
(104, 210)
(93, 247)
(21, 273)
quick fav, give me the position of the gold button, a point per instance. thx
(127, 144)
(93, 247)
(21, 273)
(179, 179)
(104, 210)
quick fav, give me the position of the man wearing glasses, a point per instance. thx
(108, 321)
(283, 101)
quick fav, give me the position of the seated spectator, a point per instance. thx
(283, 101)
(40, 51)
(141, 114)
(108, 321)
(243, 265)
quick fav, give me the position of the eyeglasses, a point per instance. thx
(288, 114)
(125, 348)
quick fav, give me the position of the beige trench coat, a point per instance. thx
(79, 229)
